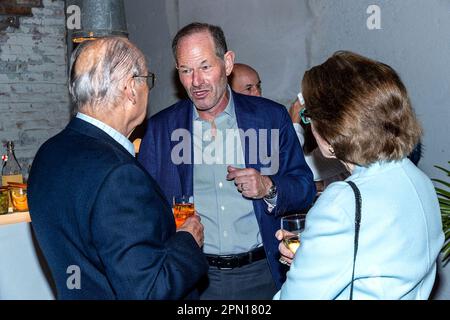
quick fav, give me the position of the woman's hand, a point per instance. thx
(286, 255)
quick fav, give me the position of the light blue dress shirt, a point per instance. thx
(229, 220)
(113, 133)
(399, 240)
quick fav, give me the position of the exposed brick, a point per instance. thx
(34, 101)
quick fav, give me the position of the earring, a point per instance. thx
(331, 150)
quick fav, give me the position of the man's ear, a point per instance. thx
(229, 62)
(130, 90)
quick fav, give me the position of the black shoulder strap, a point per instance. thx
(357, 224)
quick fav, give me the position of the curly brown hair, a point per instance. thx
(361, 108)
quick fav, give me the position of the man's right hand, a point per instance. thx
(195, 228)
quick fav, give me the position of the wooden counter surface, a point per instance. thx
(16, 217)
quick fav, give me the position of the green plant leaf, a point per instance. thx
(443, 193)
(446, 249)
(443, 169)
(447, 246)
(442, 182)
(444, 203)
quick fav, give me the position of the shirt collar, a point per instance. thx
(229, 110)
(113, 133)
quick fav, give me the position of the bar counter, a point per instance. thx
(23, 271)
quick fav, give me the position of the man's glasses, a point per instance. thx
(150, 79)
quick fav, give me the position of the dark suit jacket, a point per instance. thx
(294, 179)
(94, 207)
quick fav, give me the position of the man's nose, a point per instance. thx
(255, 91)
(197, 78)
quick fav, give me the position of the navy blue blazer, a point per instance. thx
(294, 179)
(95, 209)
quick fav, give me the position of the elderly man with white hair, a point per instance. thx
(102, 222)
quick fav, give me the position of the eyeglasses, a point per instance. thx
(304, 115)
(150, 79)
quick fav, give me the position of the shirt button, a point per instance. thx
(225, 234)
(223, 208)
(220, 184)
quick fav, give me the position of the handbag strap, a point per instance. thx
(357, 225)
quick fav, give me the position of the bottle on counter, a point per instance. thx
(12, 174)
(11, 170)
(4, 200)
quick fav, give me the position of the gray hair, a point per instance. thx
(108, 62)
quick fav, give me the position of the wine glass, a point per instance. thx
(292, 226)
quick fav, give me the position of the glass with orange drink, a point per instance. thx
(18, 193)
(183, 208)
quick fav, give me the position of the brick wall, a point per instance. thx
(34, 101)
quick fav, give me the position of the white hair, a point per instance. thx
(98, 85)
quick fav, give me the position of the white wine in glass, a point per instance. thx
(292, 242)
(292, 227)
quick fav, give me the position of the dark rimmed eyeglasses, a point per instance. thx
(304, 115)
(150, 79)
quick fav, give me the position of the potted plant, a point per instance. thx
(443, 192)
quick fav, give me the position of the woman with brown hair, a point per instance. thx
(360, 113)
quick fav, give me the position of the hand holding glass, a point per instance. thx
(183, 208)
(292, 226)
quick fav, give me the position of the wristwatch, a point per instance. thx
(272, 191)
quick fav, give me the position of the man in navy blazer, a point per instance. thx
(102, 222)
(240, 203)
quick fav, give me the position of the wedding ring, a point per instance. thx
(283, 261)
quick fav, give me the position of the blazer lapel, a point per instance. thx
(185, 170)
(249, 118)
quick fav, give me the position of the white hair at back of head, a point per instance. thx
(98, 86)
